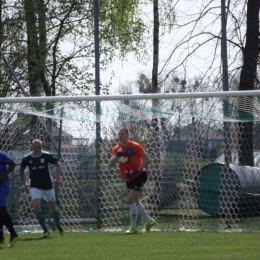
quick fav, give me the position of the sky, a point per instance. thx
(187, 34)
(129, 70)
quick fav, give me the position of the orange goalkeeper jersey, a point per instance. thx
(134, 152)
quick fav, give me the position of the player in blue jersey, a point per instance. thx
(41, 184)
(5, 218)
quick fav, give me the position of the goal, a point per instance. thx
(204, 149)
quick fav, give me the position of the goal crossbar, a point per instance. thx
(248, 93)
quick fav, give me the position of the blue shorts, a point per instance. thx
(4, 192)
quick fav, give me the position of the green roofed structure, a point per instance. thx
(211, 191)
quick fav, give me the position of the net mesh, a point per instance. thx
(209, 108)
(204, 173)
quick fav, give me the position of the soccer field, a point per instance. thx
(152, 246)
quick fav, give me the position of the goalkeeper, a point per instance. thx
(41, 183)
(132, 160)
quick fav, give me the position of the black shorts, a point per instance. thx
(137, 183)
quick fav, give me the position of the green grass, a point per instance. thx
(152, 246)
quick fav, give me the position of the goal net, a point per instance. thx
(204, 149)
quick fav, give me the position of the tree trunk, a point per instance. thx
(32, 48)
(155, 127)
(247, 81)
(43, 46)
(155, 47)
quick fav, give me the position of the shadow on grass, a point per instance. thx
(126, 235)
(34, 238)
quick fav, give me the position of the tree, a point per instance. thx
(248, 78)
(50, 45)
(155, 47)
(197, 47)
(58, 43)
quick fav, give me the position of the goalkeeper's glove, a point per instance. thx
(122, 159)
(131, 173)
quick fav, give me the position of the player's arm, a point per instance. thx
(114, 157)
(23, 178)
(145, 161)
(118, 156)
(9, 169)
(57, 179)
(113, 161)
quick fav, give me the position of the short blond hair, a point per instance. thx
(37, 141)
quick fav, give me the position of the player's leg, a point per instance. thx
(150, 222)
(135, 186)
(132, 199)
(3, 197)
(141, 210)
(143, 213)
(1, 231)
(142, 180)
(1, 228)
(36, 195)
(49, 196)
(6, 219)
(14, 237)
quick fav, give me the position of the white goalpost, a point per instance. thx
(204, 148)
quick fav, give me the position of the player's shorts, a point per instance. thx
(48, 195)
(137, 183)
(4, 192)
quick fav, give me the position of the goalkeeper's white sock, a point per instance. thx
(143, 213)
(133, 214)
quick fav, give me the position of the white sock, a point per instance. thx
(143, 213)
(133, 214)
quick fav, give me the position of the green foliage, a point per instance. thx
(120, 25)
(144, 83)
(60, 55)
(168, 15)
